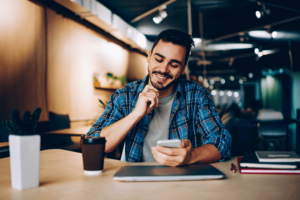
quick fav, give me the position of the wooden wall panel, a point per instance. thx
(22, 58)
(137, 66)
(48, 60)
(75, 53)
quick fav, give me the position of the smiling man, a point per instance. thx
(162, 106)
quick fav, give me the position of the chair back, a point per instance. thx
(58, 121)
(272, 130)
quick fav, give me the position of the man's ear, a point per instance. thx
(149, 55)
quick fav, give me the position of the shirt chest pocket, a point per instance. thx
(179, 127)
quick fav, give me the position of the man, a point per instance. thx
(162, 106)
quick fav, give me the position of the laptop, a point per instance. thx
(165, 173)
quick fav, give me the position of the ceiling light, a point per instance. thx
(221, 93)
(197, 41)
(241, 81)
(162, 14)
(231, 78)
(274, 34)
(229, 93)
(236, 94)
(258, 14)
(223, 81)
(256, 51)
(260, 34)
(260, 54)
(214, 92)
(262, 12)
(205, 83)
(157, 19)
(225, 46)
(250, 75)
(211, 81)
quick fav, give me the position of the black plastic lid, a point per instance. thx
(94, 140)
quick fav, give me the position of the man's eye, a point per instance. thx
(174, 66)
(158, 60)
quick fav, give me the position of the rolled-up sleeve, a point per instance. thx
(212, 129)
(112, 114)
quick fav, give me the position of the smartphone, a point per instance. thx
(169, 143)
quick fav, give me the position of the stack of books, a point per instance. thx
(270, 162)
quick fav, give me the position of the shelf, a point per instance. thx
(107, 89)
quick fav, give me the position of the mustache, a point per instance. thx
(163, 74)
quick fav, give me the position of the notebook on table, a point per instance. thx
(266, 171)
(165, 173)
(250, 160)
(277, 156)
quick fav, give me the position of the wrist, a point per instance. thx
(193, 156)
(135, 116)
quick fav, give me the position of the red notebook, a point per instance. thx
(266, 171)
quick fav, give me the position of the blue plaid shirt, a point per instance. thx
(193, 115)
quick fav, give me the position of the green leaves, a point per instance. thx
(122, 78)
(109, 75)
(102, 103)
(26, 126)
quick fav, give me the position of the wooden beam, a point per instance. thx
(190, 17)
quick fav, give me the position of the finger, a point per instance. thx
(157, 101)
(185, 143)
(163, 162)
(166, 160)
(156, 96)
(169, 151)
(146, 88)
(166, 157)
(153, 97)
(151, 90)
(151, 101)
(149, 87)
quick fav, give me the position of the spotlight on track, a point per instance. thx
(162, 14)
(262, 12)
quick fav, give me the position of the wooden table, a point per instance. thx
(77, 131)
(4, 144)
(62, 177)
(4, 150)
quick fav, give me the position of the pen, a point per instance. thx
(232, 168)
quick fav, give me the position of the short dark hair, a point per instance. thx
(176, 37)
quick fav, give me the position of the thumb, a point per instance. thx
(185, 143)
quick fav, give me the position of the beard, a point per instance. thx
(159, 85)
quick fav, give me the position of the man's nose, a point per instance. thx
(165, 67)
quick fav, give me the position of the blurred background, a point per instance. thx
(68, 57)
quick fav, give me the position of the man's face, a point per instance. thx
(165, 64)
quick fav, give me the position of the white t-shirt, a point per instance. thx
(158, 128)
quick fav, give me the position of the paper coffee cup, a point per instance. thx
(93, 153)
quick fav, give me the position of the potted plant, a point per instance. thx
(114, 81)
(24, 149)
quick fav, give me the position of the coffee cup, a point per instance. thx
(93, 152)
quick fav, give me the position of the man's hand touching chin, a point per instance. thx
(174, 156)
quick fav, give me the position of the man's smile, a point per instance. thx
(163, 78)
